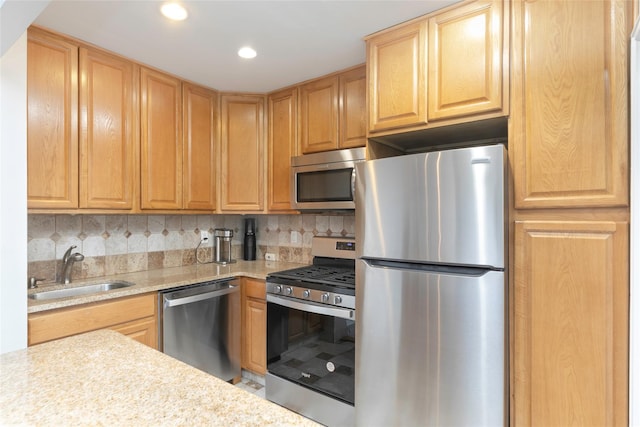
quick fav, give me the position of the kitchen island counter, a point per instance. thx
(105, 378)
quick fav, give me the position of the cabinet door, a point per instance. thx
(52, 122)
(353, 108)
(161, 141)
(466, 60)
(108, 130)
(319, 115)
(254, 326)
(397, 77)
(282, 146)
(199, 120)
(242, 153)
(145, 331)
(54, 324)
(571, 287)
(568, 133)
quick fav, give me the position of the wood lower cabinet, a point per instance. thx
(160, 140)
(108, 131)
(52, 121)
(571, 285)
(242, 152)
(568, 133)
(134, 316)
(254, 325)
(282, 145)
(200, 118)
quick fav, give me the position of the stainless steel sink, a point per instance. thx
(80, 290)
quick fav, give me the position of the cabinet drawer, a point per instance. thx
(254, 288)
(56, 324)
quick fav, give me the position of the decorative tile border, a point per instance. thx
(115, 244)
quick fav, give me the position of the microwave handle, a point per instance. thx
(353, 183)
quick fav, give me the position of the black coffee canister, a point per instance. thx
(249, 239)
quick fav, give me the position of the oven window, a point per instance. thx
(312, 350)
(325, 186)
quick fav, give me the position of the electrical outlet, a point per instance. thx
(294, 237)
(204, 235)
(270, 257)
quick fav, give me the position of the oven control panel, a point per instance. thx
(314, 295)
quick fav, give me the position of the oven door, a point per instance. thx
(310, 358)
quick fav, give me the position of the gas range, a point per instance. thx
(329, 280)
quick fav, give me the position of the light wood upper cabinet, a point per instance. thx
(569, 122)
(319, 115)
(466, 72)
(353, 108)
(242, 152)
(283, 108)
(444, 68)
(200, 118)
(571, 290)
(52, 121)
(161, 140)
(108, 130)
(396, 67)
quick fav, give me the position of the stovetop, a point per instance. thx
(338, 276)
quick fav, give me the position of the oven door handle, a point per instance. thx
(311, 307)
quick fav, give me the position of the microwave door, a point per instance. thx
(327, 187)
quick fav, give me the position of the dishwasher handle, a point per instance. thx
(173, 302)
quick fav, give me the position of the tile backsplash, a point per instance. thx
(113, 244)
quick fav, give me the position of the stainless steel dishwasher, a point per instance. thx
(199, 324)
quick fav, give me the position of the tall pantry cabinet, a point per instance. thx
(568, 149)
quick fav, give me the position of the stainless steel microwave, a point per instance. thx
(325, 181)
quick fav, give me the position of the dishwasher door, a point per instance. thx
(200, 325)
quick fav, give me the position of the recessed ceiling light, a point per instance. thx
(247, 52)
(174, 11)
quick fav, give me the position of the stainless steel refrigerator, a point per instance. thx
(431, 289)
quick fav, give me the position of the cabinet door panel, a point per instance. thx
(282, 146)
(569, 121)
(145, 331)
(108, 131)
(199, 121)
(465, 60)
(319, 115)
(52, 122)
(161, 141)
(397, 78)
(353, 108)
(571, 323)
(242, 151)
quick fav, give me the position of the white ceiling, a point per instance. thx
(295, 40)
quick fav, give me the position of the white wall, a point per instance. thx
(13, 197)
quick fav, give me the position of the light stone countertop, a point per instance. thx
(105, 378)
(156, 280)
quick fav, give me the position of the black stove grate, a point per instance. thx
(330, 275)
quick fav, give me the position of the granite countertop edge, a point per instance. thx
(105, 378)
(156, 280)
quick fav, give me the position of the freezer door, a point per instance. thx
(430, 348)
(444, 207)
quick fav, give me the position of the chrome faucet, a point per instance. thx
(67, 263)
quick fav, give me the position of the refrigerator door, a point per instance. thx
(444, 207)
(431, 348)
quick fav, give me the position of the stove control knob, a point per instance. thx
(306, 293)
(288, 290)
(337, 299)
(325, 297)
(277, 289)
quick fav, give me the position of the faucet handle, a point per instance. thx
(66, 255)
(33, 282)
